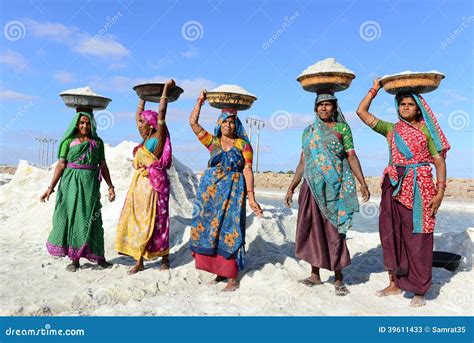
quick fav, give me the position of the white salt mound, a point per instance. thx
(34, 283)
(325, 66)
(409, 72)
(232, 89)
(81, 91)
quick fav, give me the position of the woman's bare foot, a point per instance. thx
(217, 280)
(74, 266)
(311, 281)
(389, 290)
(104, 264)
(418, 301)
(232, 285)
(165, 263)
(138, 267)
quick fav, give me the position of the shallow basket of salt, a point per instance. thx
(326, 76)
(412, 82)
(153, 91)
(230, 96)
(84, 97)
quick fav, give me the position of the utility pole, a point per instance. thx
(258, 124)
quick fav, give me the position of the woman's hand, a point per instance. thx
(202, 96)
(289, 198)
(170, 83)
(377, 84)
(364, 190)
(111, 194)
(255, 207)
(434, 204)
(46, 194)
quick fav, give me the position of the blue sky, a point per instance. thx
(49, 46)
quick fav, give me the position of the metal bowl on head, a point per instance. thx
(153, 91)
(85, 101)
(325, 81)
(412, 82)
(236, 101)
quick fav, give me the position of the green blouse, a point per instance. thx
(345, 131)
(384, 128)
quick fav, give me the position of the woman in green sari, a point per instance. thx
(77, 221)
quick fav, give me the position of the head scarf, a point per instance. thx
(71, 131)
(337, 116)
(439, 138)
(239, 127)
(151, 117)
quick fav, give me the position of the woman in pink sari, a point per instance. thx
(143, 228)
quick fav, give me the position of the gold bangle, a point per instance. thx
(161, 121)
(163, 97)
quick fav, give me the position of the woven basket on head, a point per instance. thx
(413, 83)
(239, 102)
(328, 81)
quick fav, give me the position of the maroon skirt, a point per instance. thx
(216, 264)
(317, 240)
(408, 255)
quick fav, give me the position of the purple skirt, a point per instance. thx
(407, 255)
(317, 240)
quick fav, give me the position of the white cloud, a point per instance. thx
(6, 94)
(64, 76)
(100, 45)
(190, 53)
(15, 60)
(55, 31)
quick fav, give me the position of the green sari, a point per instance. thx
(77, 221)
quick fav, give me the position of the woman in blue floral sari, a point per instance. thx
(328, 197)
(218, 228)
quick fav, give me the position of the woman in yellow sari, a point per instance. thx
(143, 228)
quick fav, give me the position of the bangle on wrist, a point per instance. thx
(111, 187)
(251, 191)
(51, 187)
(161, 121)
(163, 97)
(373, 91)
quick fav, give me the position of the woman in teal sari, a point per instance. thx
(77, 221)
(328, 198)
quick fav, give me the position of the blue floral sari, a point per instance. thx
(218, 225)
